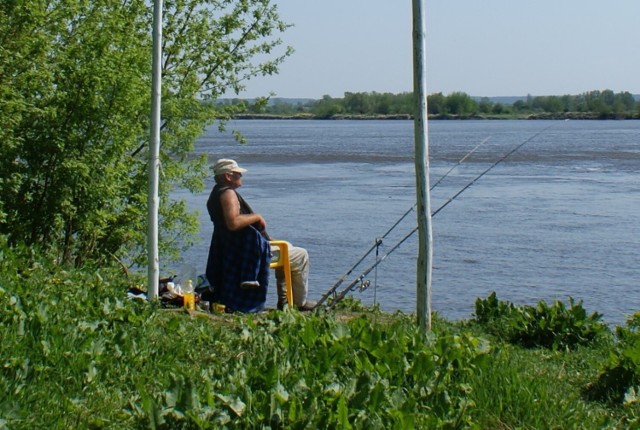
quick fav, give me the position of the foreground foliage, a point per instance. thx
(77, 354)
(557, 326)
(620, 380)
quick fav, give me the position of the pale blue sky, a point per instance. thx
(481, 47)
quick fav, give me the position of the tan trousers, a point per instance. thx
(299, 260)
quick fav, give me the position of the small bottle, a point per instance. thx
(189, 295)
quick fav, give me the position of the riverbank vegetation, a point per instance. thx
(77, 353)
(458, 105)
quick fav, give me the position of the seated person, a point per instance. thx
(239, 255)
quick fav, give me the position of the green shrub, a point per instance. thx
(555, 326)
(620, 380)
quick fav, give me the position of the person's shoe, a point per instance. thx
(309, 305)
(249, 285)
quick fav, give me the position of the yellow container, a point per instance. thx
(189, 301)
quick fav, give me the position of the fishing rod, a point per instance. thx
(459, 163)
(378, 241)
(415, 204)
(500, 160)
(360, 279)
(365, 284)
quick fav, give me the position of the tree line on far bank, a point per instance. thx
(592, 104)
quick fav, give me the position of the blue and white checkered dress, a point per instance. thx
(236, 257)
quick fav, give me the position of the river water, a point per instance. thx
(556, 219)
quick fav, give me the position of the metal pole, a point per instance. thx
(423, 199)
(153, 270)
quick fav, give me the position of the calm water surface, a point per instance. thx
(557, 219)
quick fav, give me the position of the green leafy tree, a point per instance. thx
(625, 102)
(459, 103)
(74, 114)
(382, 103)
(498, 108)
(327, 107)
(520, 106)
(358, 103)
(404, 103)
(485, 105)
(549, 104)
(436, 104)
(569, 103)
(595, 101)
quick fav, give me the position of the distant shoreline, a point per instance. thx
(395, 117)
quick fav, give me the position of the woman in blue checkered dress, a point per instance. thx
(239, 255)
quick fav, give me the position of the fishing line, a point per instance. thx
(378, 241)
(364, 284)
(504, 157)
(437, 183)
(375, 282)
(375, 279)
(360, 280)
(458, 163)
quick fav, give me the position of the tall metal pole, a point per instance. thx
(153, 271)
(423, 198)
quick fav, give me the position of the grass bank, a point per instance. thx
(76, 353)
